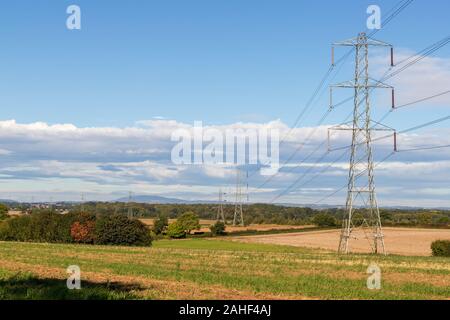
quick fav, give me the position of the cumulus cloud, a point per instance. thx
(62, 160)
(428, 77)
(106, 162)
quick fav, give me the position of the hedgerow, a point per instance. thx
(51, 227)
(441, 248)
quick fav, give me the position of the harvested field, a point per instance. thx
(258, 227)
(263, 227)
(213, 269)
(401, 241)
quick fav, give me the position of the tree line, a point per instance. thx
(262, 213)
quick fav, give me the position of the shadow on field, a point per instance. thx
(28, 287)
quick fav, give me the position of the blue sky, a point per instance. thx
(220, 62)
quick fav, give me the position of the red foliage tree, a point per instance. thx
(83, 232)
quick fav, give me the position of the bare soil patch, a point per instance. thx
(401, 241)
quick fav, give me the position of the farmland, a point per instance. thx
(401, 241)
(213, 269)
(206, 223)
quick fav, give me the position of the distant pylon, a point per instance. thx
(130, 210)
(82, 202)
(238, 212)
(220, 215)
(246, 190)
(361, 188)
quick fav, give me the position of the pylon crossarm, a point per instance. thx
(381, 84)
(375, 42)
(343, 127)
(385, 127)
(350, 84)
(360, 129)
(357, 42)
(346, 43)
(360, 191)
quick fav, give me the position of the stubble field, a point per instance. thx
(401, 241)
(205, 224)
(213, 269)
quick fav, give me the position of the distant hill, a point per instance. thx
(152, 199)
(8, 201)
(159, 200)
(334, 206)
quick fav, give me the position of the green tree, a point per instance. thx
(443, 220)
(160, 224)
(425, 219)
(441, 248)
(3, 211)
(324, 220)
(176, 230)
(358, 217)
(190, 221)
(16, 229)
(386, 216)
(218, 229)
(45, 226)
(120, 230)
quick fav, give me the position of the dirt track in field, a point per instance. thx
(401, 241)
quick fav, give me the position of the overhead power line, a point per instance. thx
(295, 182)
(301, 115)
(420, 57)
(422, 100)
(345, 186)
(392, 13)
(427, 124)
(322, 144)
(406, 150)
(396, 10)
(423, 51)
(412, 103)
(287, 190)
(425, 148)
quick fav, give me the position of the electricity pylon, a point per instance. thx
(82, 202)
(361, 194)
(130, 210)
(238, 212)
(246, 190)
(220, 215)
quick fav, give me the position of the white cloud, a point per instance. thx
(108, 161)
(4, 152)
(428, 77)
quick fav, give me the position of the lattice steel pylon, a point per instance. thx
(361, 196)
(220, 214)
(130, 209)
(82, 202)
(238, 217)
